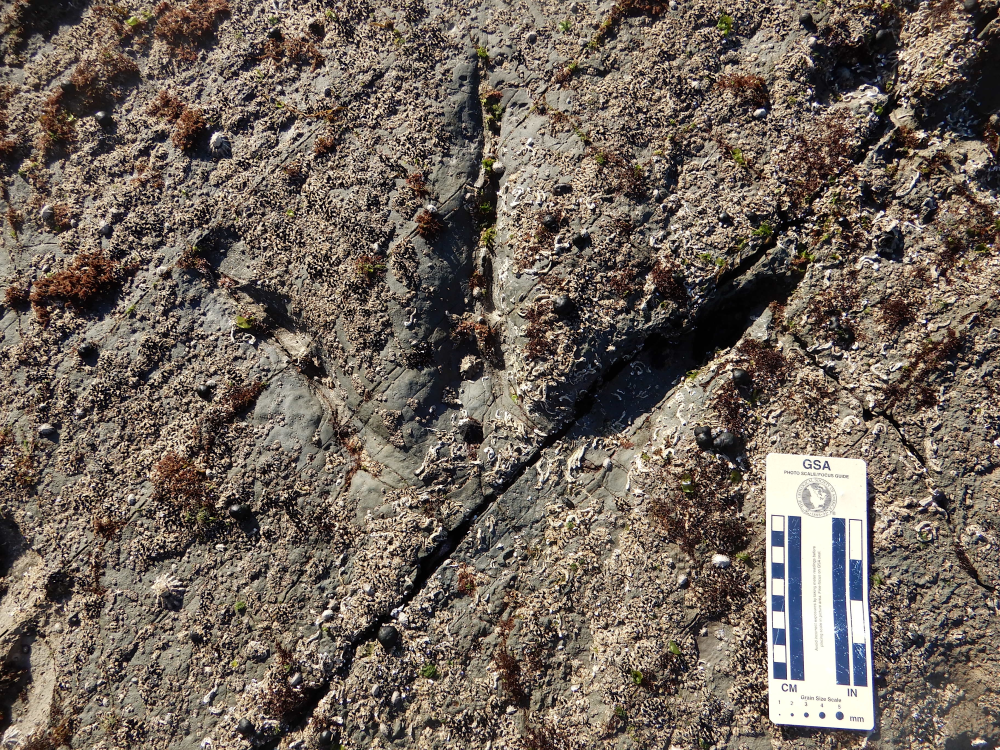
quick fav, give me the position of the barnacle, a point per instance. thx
(219, 145)
(169, 591)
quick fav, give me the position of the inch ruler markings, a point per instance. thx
(859, 609)
(820, 662)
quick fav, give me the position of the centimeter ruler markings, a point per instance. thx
(819, 658)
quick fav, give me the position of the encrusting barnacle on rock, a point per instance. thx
(219, 145)
(169, 591)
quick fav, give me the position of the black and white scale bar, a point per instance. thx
(859, 618)
(778, 626)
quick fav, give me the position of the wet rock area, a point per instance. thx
(402, 374)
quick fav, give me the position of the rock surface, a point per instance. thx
(351, 357)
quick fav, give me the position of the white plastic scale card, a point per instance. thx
(819, 649)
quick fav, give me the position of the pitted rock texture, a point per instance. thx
(352, 355)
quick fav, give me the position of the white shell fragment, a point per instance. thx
(721, 561)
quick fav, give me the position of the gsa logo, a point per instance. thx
(816, 497)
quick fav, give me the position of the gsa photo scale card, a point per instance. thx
(819, 646)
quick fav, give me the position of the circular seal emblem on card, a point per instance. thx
(816, 497)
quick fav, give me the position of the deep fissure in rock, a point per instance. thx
(754, 297)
